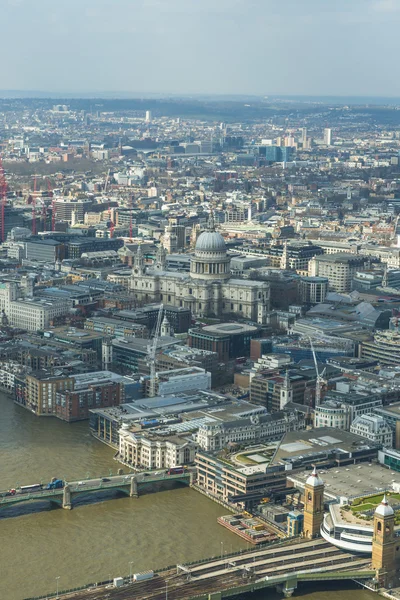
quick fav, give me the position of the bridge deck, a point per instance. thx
(92, 485)
(336, 564)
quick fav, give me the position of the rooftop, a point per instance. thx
(352, 480)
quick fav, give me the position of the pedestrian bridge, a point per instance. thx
(130, 485)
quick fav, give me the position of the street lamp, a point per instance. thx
(57, 578)
(222, 550)
(166, 590)
(130, 571)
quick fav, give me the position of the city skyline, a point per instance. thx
(185, 47)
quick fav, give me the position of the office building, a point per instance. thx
(374, 428)
(31, 313)
(339, 269)
(225, 479)
(254, 429)
(152, 450)
(327, 136)
(313, 290)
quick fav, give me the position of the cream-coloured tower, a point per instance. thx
(313, 505)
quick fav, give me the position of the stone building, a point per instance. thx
(208, 289)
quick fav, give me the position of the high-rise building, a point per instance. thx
(148, 116)
(327, 136)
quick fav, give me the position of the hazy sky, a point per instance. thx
(320, 47)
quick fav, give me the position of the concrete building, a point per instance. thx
(179, 380)
(225, 480)
(332, 414)
(32, 314)
(385, 347)
(327, 136)
(313, 290)
(228, 340)
(339, 269)
(374, 428)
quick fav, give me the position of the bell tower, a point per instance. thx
(313, 505)
(384, 543)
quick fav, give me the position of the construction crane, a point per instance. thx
(151, 353)
(320, 378)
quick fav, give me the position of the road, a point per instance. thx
(110, 481)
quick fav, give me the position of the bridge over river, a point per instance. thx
(281, 565)
(129, 485)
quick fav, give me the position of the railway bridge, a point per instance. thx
(281, 565)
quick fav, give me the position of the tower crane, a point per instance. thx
(320, 377)
(151, 353)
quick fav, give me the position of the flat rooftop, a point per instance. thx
(320, 441)
(229, 328)
(352, 480)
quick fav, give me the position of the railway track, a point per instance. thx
(217, 575)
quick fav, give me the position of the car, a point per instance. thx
(81, 483)
(105, 479)
(146, 474)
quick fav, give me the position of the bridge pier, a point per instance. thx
(134, 493)
(67, 504)
(287, 588)
(191, 480)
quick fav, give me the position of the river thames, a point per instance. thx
(96, 541)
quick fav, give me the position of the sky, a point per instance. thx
(287, 47)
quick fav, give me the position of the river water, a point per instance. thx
(96, 541)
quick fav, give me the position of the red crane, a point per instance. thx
(3, 198)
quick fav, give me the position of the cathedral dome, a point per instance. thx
(210, 241)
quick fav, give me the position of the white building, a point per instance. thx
(9, 370)
(333, 414)
(208, 289)
(177, 381)
(252, 430)
(150, 450)
(327, 136)
(32, 313)
(374, 428)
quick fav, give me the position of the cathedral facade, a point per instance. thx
(208, 290)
